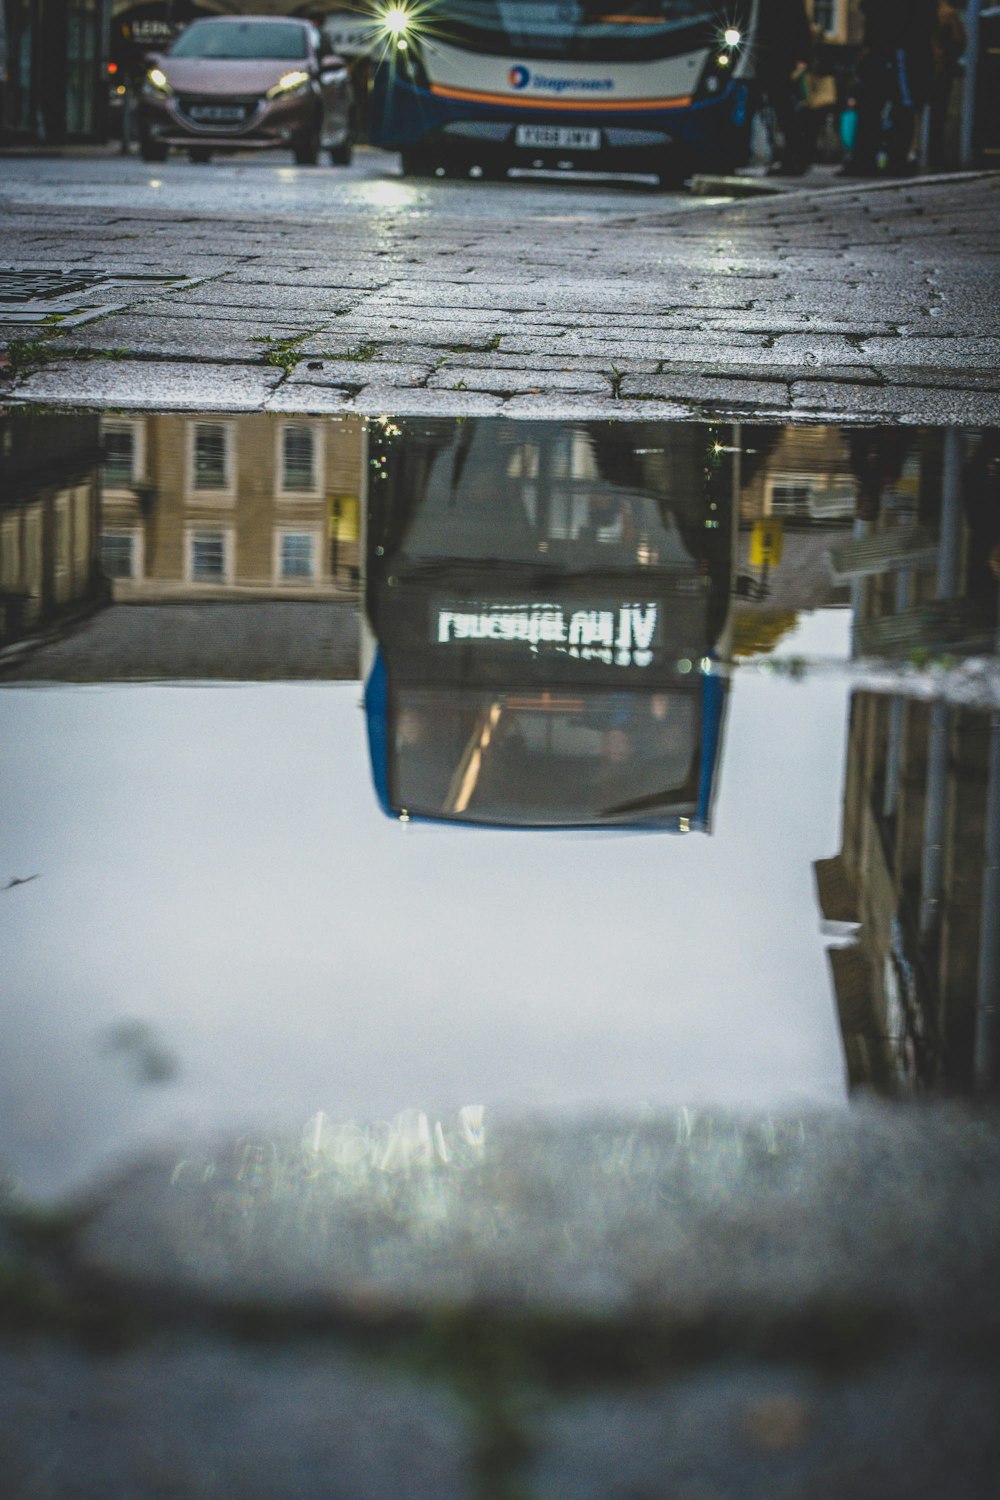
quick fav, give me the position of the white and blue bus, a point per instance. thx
(547, 622)
(651, 87)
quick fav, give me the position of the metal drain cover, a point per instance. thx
(38, 294)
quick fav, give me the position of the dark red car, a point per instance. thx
(238, 82)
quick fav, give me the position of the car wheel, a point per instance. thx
(200, 154)
(673, 174)
(151, 150)
(306, 149)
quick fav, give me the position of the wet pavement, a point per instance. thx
(362, 291)
(500, 928)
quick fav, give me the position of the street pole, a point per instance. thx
(936, 807)
(987, 1055)
(971, 84)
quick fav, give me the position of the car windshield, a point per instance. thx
(281, 41)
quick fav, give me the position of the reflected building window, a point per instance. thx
(298, 459)
(296, 555)
(118, 554)
(211, 457)
(119, 457)
(124, 459)
(208, 556)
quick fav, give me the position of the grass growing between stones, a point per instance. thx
(26, 356)
(283, 354)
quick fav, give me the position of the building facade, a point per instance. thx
(227, 507)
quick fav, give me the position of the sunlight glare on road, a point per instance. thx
(388, 192)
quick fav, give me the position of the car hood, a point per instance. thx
(197, 75)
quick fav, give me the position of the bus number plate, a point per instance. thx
(562, 136)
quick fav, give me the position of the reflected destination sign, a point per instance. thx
(623, 636)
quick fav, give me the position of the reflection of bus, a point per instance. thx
(644, 86)
(547, 608)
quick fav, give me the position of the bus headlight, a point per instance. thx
(396, 22)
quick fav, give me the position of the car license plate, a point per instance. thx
(565, 137)
(217, 114)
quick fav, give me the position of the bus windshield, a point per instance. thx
(595, 30)
(530, 758)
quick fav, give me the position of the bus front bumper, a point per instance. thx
(704, 133)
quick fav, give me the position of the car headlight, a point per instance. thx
(290, 84)
(156, 82)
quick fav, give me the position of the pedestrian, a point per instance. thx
(876, 456)
(947, 47)
(894, 71)
(982, 508)
(784, 47)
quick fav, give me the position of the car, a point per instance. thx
(247, 82)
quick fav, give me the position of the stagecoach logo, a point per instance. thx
(521, 77)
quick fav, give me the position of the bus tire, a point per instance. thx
(672, 175)
(494, 171)
(414, 164)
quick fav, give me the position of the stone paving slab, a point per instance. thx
(683, 1217)
(886, 287)
(196, 1421)
(133, 384)
(686, 1305)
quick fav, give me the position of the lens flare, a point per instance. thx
(396, 20)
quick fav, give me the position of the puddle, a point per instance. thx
(352, 767)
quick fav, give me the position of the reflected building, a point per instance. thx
(222, 507)
(917, 873)
(547, 614)
(49, 523)
(222, 546)
(797, 495)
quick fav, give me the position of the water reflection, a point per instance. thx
(50, 492)
(555, 625)
(236, 535)
(918, 874)
(549, 609)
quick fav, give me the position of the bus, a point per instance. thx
(656, 88)
(546, 623)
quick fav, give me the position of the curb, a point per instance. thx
(754, 187)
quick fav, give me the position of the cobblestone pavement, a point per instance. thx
(853, 304)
